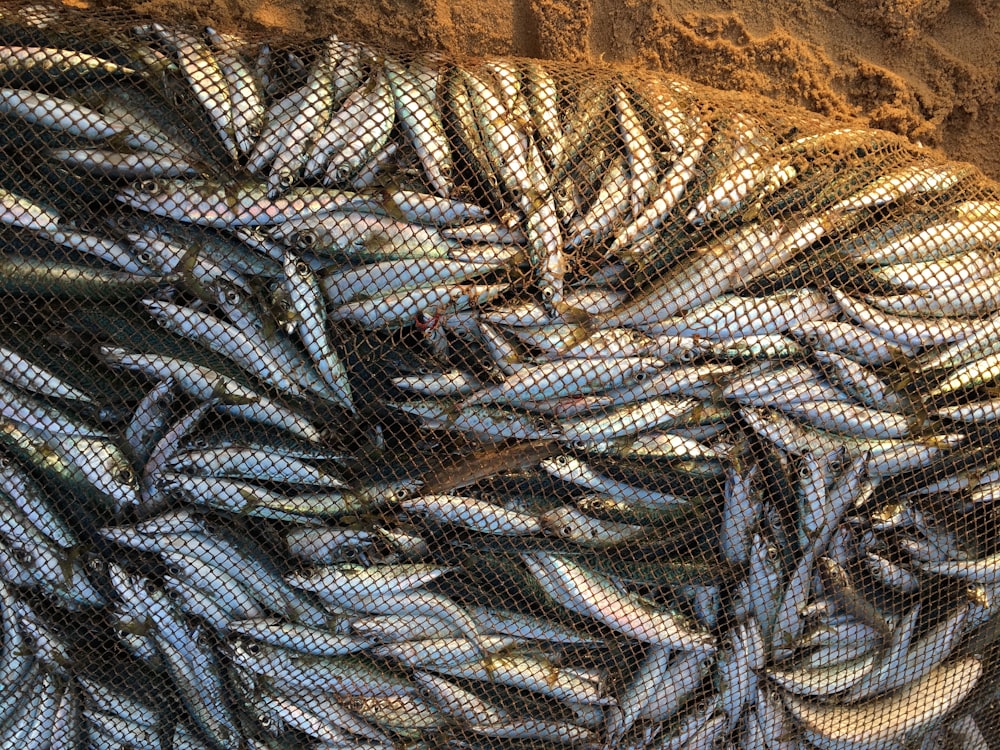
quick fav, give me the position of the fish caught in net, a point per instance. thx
(352, 398)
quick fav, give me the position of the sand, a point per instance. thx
(927, 69)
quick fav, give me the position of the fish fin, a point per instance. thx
(391, 207)
(251, 501)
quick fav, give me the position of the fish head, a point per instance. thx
(107, 470)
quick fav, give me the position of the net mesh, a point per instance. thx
(362, 399)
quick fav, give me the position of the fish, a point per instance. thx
(358, 398)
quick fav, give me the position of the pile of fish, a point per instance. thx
(360, 400)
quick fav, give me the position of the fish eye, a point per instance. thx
(640, 376)
(145, 257)
(149, 186)
(150, 588)
(232, 296)
(687, 354)
(548, 293)
(341, 173)
(307, 239)
(286, 179)
(302, 267)
(174, 571)
(562, 460)
(95, 564)
(5, 462)
(812, 339)
(123, 474)
(565, 531)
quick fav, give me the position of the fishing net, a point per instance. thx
(355, 399)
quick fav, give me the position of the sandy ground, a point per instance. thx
(928, 69)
